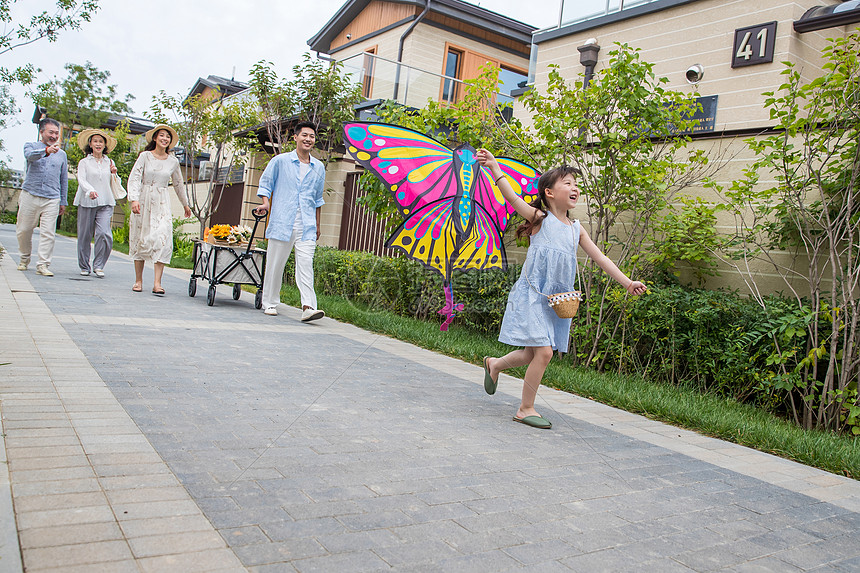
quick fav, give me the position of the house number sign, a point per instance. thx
(754, 45)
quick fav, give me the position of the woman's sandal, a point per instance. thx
(535, 422)
(158, 291)
(490, 385)
(136, 288)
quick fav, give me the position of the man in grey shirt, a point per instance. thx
(44, 196)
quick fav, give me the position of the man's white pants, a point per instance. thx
(277, 254)
(32, 212)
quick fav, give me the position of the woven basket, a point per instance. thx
(565, 304)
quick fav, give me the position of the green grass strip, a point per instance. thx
(706, 414)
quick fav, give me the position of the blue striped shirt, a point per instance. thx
(47, 175)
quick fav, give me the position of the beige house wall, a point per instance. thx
(386, 45)
(733, 275)
(703, 33)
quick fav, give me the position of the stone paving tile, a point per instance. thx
(53, 536)
(124, 566)
(278, 552)
(355, 561)
(78, 554)
(250, 535)
(174, 543)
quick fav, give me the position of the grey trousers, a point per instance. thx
(94, 222)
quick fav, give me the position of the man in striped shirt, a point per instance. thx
(44, 196)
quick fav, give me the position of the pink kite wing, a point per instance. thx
(416, 169)
(522, 178)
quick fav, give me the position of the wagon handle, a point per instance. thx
(257, 218)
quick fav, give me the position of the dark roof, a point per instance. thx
(179, 152)
(457, 9)
(223, 85)
(137, 125)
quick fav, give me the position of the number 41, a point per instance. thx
(745, 49)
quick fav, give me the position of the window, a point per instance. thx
(453, 65)
(464, 64)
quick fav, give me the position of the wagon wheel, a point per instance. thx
(192, 287)
(210, 296)
(258, 299)
(237, 291)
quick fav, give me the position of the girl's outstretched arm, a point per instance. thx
(487, 159)
(610, 268)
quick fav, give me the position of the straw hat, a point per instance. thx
(174, 139)
(85, 135)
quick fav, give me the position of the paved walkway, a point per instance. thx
(160, 434)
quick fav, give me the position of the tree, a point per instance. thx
(812, 210)
(319, 92)
(628, 134)
(208, 124)
(19, 32)
(83, 98)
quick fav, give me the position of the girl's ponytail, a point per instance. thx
(525, 230)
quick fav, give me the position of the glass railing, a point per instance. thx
(386, 79)
(582, 10)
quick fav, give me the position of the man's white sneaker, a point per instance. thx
(85, 273)
(44, 271)
(271, 311)
(99, 273)
(310, 314)
(23, 266)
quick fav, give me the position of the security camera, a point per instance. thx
(349, 36)
(694, 74)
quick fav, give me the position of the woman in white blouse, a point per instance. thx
(95, 200)
(151, 224)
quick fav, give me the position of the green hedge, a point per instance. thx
(713, 341)
(405, 287)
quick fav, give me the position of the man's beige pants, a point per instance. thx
(36, 212)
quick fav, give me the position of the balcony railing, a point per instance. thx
(582, 10)
(386, 79)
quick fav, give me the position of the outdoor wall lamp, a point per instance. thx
(694, 74)
(588, 58)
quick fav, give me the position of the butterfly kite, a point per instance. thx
(453, 213)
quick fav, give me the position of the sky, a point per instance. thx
(167, 44)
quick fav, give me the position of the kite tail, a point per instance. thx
(450, 310)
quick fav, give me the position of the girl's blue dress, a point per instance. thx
(551, 267)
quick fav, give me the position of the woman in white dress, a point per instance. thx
(151, 224)
(95, 200)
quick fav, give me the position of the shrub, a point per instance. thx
(69, 220)
(712, 341)
(182, 243)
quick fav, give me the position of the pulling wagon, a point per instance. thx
(223, 263)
